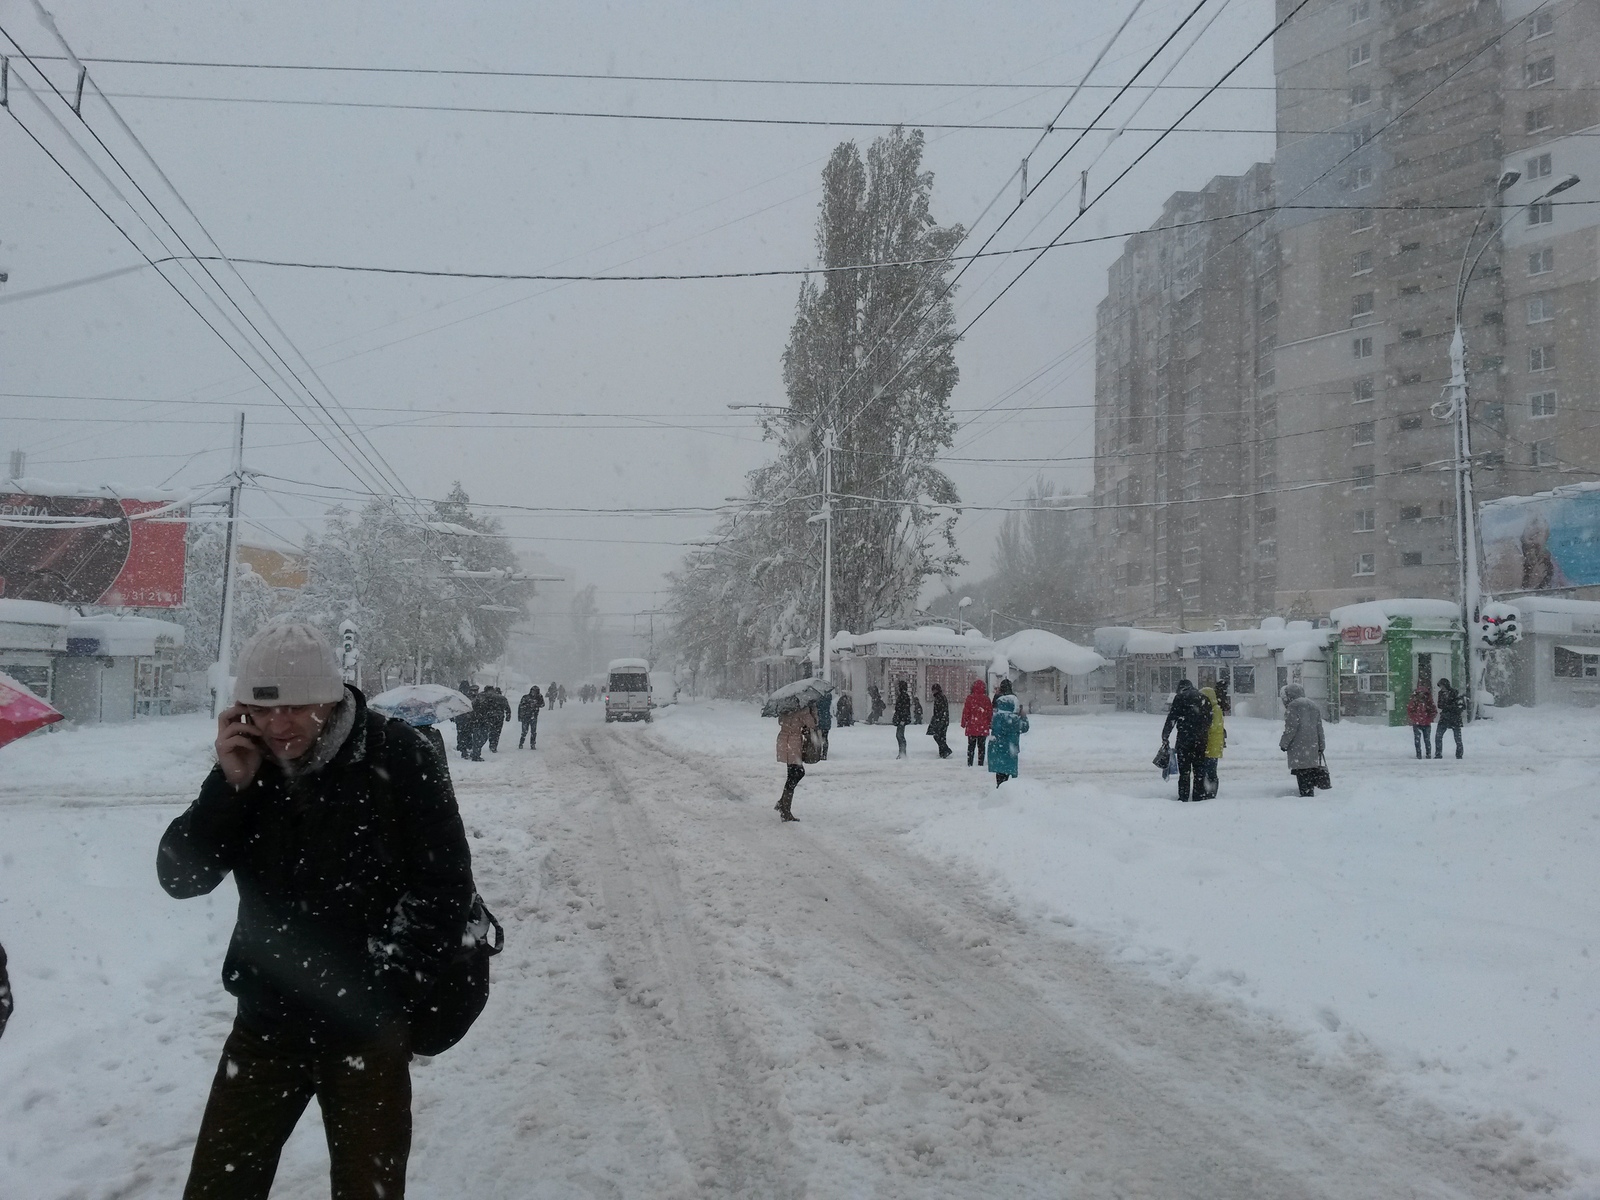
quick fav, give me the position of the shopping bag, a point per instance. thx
(1320, 778)
(1163, 758)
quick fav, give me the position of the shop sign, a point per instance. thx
(1231, 651)
(1361, 635)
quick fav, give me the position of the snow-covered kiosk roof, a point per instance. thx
(1118, 641)
(1032, 650)
(32, 624)
(118, 636)
(930, 641)
(1423, 614)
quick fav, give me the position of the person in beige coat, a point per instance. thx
(795, 728)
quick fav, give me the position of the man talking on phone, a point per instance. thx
(354, 877)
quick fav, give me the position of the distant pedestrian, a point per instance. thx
(528, 713)
(902, 715)
(939, 723)
(875, 710)
(6, 1002)
(1224, 690)
(1216, 739)
(465, 723)
(1007, 724)
(1420, 712)
(824, 708)
(1189, 716)
(1452, 704)
(499, 714)
(845, 711)
(975, 715)
(484, 710)
(795, 728)
(1302, 738)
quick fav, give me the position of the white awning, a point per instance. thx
(1587, 650)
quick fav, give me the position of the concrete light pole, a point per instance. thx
(1456, 405)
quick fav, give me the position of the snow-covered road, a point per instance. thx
(695, 1001)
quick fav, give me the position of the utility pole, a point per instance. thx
(827, 552)
(221, 697)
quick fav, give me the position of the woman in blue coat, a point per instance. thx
(1006, 728)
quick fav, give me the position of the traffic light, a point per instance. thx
(1499, 625)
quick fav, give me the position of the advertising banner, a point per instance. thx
(1543, 542)
(114, 561)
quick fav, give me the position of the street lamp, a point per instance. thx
(961, 613)
(1456, 406)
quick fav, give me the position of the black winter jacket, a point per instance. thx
(530, 704)
(1451, 706)
(939, 725)
(1190, 715)
(902, 707)
(354, 883)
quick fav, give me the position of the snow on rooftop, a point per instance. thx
(927, 635)
(125, 635)
(1554, 604)
(1380, 612)
(1040, 650)
(29, 486)
(34, 612)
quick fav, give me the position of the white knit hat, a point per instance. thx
(288, 664)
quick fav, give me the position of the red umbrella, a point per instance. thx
(21, 712)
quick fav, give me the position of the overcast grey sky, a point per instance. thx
(521, 193)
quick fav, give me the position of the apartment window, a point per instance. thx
(1365, 433)
(1362, 390)
(1541, 358)
(1366, 564)
(1361, 263)
(1361, 347)
(1571, 664)
(1363, 135)
(1539, 72)
(1410, 335)
(1411, 421)
(1361, 55)
(1542, 213)
(1366, 520)
(1360, 94)
(1539, 119)
(1540, 309)
(1542, 262)
(1538, 167)
(1411, 512)
(1408, 380)
(1544, 453)
(1361, 305)
(1362, 219)
(1360, 178)
(1493, 459)
(1542, 404)
(1411, 558)
(1408, 247)
(1541, 24)
(1362, 476)
(1360, 11)
(1411, 289)
(1131, 574)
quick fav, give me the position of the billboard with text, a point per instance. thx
(108, 559)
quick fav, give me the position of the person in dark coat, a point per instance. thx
(6, 1002)
(1302, 738)
(1420, 712)
(499, 713)
(1190, 718)
(528, 713)
(464, 730)
(902, 715)
(875, 710)
(939, 723)
(355, 884)
(975, 715)
(845, 711)
(824, 710)
(1452, 704)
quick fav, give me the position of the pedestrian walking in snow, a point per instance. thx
(795, 728)
(902, 715)
(1224, 694)
(464, 727)
(824, 707)
(528, 713)
(1216, 739)
(845, 711)
(1007, 724)
(1452, 704)
(561, 694)
(6, 1002)
(1189, 716)
(875, 711)
(355, 885)
(1302, 738)
(939, 723)
(1420, 712)
(484, 710)
(499, 714)
(975, 715)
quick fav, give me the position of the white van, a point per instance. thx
(628, 690)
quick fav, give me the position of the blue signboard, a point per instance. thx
(1541, 543)
(1226, 651)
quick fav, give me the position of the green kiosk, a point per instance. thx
(1385, 648)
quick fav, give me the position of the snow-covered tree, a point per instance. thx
(255, 601)
(871, 354)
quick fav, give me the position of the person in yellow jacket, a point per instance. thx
(1215, 741)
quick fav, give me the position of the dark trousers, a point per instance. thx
(530, 732)
(944, 746)
(1191, 771)
(975, 744)
(900, 740)
(495, 727)
(1205, 778)
(795, 775)
(1305, 777)
(261, 1090)
(1422, 739)
(1000, 777)
(1438, 739)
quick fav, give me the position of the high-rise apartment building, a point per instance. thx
(1183, 337)
(1397, 121)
